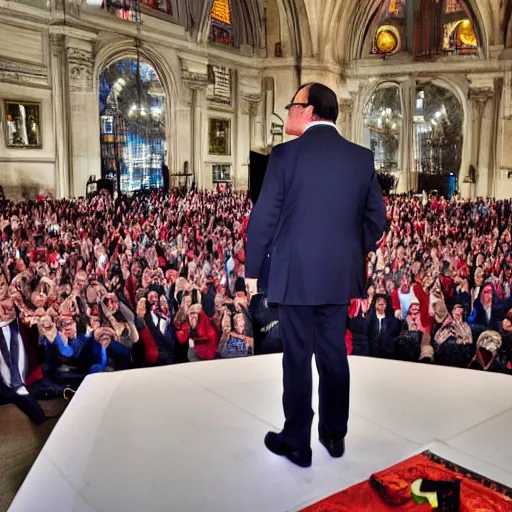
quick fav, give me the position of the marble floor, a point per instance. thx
(190, 437)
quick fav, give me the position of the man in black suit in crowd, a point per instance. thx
(383, 328)
(319, 213)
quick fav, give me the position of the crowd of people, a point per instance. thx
(95, 285)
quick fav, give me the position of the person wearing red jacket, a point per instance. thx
(405, 295)
(199, 331)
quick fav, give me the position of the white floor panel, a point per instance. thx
(190, 437)
(491, 440)
(424, 403)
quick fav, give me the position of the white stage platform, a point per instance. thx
(190, 437)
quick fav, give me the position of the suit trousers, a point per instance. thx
(319, 330)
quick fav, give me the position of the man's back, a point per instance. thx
(319, 212)
(318, 247)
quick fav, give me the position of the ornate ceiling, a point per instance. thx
(331, 29)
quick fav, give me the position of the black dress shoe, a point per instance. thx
(335, 447)
(276, 445)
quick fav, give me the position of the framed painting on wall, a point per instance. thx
(219, 136)
(23, 124)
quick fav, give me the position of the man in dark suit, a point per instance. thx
(383, 328)
(319, 213)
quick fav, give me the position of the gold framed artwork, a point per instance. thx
(22, 124)
(219, 136)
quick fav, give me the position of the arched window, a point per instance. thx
(424, 29)
(221, 28)
(438, 137)
(382, 127)
(459, 36)
(132, 109)
(130, 9)
(436, 141)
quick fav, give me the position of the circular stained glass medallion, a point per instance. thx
(387, 40)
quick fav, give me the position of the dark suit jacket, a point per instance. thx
(319, 213)
(381, 342)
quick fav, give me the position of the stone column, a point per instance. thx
(197, 86)
(408, 180)
(59, 117)
(194, 77)
(246, 138)
(250, 97)
(482, 135)
(83, 112)
(183, 141)
(346, 106)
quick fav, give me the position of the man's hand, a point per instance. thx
(252, 287)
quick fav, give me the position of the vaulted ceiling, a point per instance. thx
(329, 29)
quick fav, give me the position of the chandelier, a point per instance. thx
(138, 110)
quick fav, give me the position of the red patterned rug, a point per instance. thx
(390, 490)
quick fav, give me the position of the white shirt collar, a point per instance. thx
(320, 123)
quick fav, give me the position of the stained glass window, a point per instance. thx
(133, 142)
(460, 38)
(394, 9)
(221, 28)
(221, 12)
(391, 28)
(452, 6)
(438, 28)
(130, 9)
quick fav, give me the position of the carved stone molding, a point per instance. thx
(194, 81)
(22, 68)
(12, 71)
(346, 105)
(249, 103)
(16, 78)
(80, 65)
(77, 33)
(479, 98)
(24, 12)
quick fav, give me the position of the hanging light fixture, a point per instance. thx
(139, 109)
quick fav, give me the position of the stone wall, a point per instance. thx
(45, 58)
(24, 77)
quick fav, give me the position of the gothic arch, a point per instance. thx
(126, 48)
(507, 25)
(299, 30)
(361, 20)
(455, 84)
(358, 15)
(364, 96)
(247, 23)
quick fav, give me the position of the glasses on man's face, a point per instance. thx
(290, 105)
